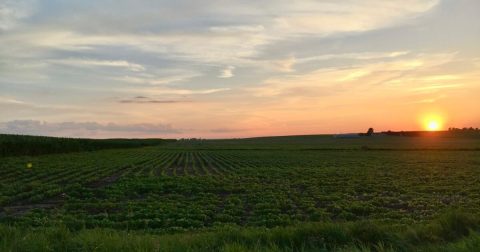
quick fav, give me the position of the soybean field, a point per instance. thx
(202, 186)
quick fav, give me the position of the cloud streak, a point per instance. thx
(8, 100)
(81, 128)
(100, 63)
(12, 11)
(227, 72)
(147, 100)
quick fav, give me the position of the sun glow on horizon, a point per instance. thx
(433, 123)
(433, 126)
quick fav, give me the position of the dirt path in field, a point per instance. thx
(19, 208)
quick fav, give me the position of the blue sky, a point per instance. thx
(236, 68)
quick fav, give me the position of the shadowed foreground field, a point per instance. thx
(292, 193)
(450, 232)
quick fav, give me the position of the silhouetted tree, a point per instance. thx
(370, 132)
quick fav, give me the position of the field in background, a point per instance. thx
(332, 142)
(314, 191)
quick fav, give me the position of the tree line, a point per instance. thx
(16, 145)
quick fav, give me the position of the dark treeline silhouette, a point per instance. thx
(471, 129)
(15, 145)
(464, 132)
(415, 133)
(451, 132)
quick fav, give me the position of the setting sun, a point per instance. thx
(433, 120)
(433, 125)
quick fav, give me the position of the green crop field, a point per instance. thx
(305, 193)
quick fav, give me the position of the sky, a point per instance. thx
(224, 69)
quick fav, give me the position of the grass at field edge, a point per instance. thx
(453, 231)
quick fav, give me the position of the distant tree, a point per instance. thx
(370, 132)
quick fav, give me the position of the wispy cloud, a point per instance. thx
(356, 56)
(12, 11)
(227, 72)
(9, 100)
(435, 87)
(172, 76)
(146, 100)
(174, 91)
(284, 65)
(220, 42)
(354, 77)
(311, 17)
(102, 63)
